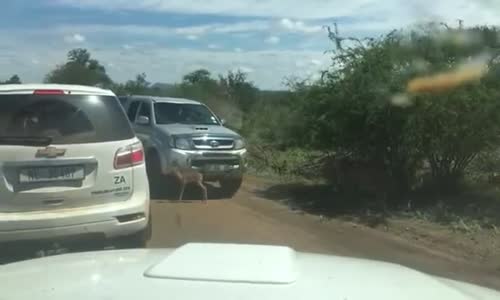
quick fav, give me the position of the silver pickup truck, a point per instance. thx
(182, 133)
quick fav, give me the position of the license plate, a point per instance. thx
(217, 168)
(48, 174)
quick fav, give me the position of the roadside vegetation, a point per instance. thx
(366, 138)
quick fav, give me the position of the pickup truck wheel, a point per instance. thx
(230, 186)
(153, 168)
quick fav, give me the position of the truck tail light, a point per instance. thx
(129, 156)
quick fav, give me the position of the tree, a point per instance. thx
(14, 79)
(200, 85)
(239, 90)
(361, 106)
(80, 56)
(139, 86)
(80, 68)
(200, 76)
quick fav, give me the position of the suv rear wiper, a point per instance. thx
(26, 140)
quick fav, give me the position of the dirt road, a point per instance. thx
(250, 218)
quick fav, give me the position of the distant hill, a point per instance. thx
(171, 89)
(164, 89)
(279, 96)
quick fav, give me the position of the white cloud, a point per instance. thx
(237, 29)
(16, 59)
(299, 26)
(315, 62)
(313, 9)
(129, 55)
(74, 38)
(273, 40)
(269, 8)
(213, 46)
(190, 30)
(299, 64)
(242, 27)
(199, 30)
(35, 61)
(181, 61)
(384, 14)
(245, 69)
(309, 63)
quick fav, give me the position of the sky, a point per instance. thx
(269, 40)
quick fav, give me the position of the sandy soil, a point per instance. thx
(251, 218)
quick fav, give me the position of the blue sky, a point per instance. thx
(270, 40)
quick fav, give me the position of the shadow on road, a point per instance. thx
(323, 200)
(479, 205)
(170, 192)
(20, 251)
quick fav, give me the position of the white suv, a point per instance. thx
(70, 166)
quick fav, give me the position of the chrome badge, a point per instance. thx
(50, 152)
(214, 144)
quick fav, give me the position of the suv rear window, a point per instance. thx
(66, 119)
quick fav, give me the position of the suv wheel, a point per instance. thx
(230, 186)
(155, 177)
(138, 239)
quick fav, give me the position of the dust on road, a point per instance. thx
(250, 218)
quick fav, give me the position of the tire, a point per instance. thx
(230, 186)
(155, 177)
(138, 239)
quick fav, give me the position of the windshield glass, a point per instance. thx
(364, 128)
(195, 114)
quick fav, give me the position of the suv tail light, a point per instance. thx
(129, 156)
(48, 92)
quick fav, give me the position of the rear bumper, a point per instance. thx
(109, 221)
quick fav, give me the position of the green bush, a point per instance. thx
(361, 106)
(292, 163)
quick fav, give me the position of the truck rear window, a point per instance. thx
(66, 119)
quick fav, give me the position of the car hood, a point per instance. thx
(223, 271)
(182, 129)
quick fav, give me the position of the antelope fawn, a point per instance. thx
(186, 176)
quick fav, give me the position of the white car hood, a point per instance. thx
(223, 271)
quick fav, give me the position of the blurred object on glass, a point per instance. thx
(470, 71)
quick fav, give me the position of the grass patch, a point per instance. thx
(470, 211)
(475, 206)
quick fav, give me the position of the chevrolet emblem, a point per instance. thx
(50, 152)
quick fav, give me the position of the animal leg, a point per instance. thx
(181, 195)
(204, 191)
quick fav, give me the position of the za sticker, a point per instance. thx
(119, 179)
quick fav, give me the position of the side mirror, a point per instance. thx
(142, 120)
(223, 122)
